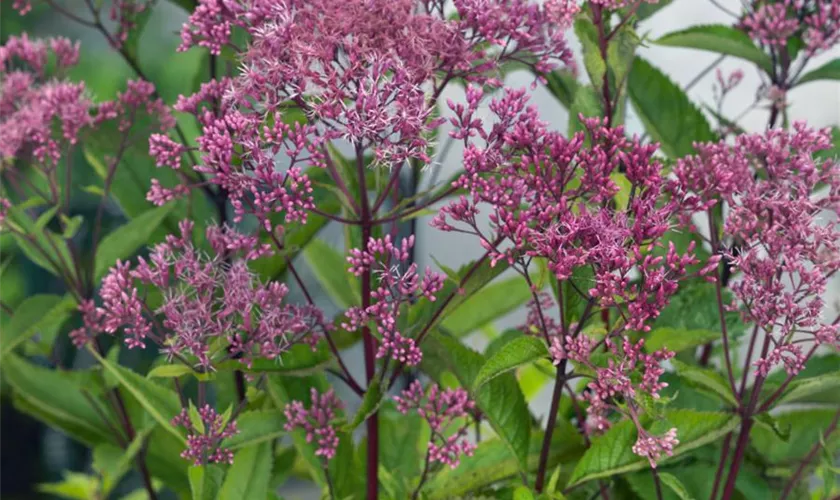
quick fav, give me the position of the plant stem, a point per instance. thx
(657, 483)
(721, 310)
(416, 493)
(368, 340)
(559, 382)
(727, 443)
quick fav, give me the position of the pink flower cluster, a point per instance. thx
(442, 409)
(398, 286)
(552, 197)
(618, 4)
(773, 23)
(360, 69)
(778, 194)
(318, 422)
(629, 376)
(204, 298)
(205, 437)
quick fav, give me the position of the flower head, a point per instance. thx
(318, 422)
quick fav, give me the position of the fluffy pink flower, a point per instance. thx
(203, 442)
(318, 422)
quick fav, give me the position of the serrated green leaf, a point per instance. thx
(331, 270)
(34, 314)
(805, 427)
(801, 390)
(720, 39)
(490, 303)
(500, 400)
(124, 241)
(249, 475)
(161, 403)
(675, 126)
(706, 380)
(678, 339)
(205, 481)
(828, 71)
(620, 53)
(520, 351)
(169, 371)
(611, 453)
(370, 404)
(595, 65)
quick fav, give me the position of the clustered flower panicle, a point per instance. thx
(205, 297)
(441, 409)
(397, 288)
(777, 192)
(318, 422)
(774, 22)
(205, 437)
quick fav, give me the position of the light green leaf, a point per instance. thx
(520, 351)
(205, 481)
(523, 493)
(595, 65)
(75, 486)
(676, 485)
(490, 303)
(256, 427)
(805, 427)
(675, 126)
(500, 400)
(678, 339)
(586, 103)
(800, 390)
(828, 71)
(331, 270)
(169, 371)
(492, 462)
(706, 380)
(36, 313)
(161, 403)
(720, 39)
(249, 475)
(611, 453)
(620, 53)
(124, 241)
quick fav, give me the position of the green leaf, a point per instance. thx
(492, 462)
(706, 380)
(490, 303)
(523, 493)
(611, 453)
(805, 427)
(298, 361)
(563, 86)
(161, 403)
(36, 313)
(124, 241)
(801, 390)
(112, 462)
(520, 351)
(500, 400)
(75, 485)
(41, 246)
(256, 427)
(56, 399)
(370, 404)
(574, 288)
(828, 71)
(595, 65)
(720, 39)
(205, 481)
(646, 10)
(587, 103)
(675, 126)
(621, 52)
(407, 437)
(249, 475)
(676, 485)
(169, 371)
(331, 270)
(678, 339)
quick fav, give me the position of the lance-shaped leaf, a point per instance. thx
(720, 39)
(519, 352)
(828, 71)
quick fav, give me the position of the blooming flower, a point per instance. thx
(205, 434)
(318, 422)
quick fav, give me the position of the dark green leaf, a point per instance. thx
(40, 245)
(828, 71)
(34, 314)
(124, 241)
(675, 126)
(563, 85)
(646, 10)
(249, 475)
(370, 404)
(611, 453)
(805, 426)
(720, 39)
(676, 486)
(331, 270)
(803, 389)
(519, 352)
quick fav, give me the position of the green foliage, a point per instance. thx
(828, 71)
(520, 351)
(124, 242)
(486, 305)
(249, 475)
(676, 126)
(720, 39)
(35, 315)
(330, 268)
